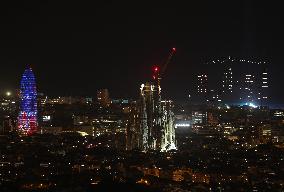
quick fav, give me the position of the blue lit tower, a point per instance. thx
(27, 120)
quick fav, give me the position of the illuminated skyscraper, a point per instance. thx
(264, 86)
(27, 120)
(227, 82)
(202, 84)
(235, 81)
(248, 89)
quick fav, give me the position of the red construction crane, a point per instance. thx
(157, 74)
(158, 71)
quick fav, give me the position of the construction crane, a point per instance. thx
(163, 69)
(158, 71)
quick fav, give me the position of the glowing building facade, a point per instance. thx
(156, 119)
(151, 121)
(27, 120)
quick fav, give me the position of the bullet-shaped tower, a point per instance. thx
(27, 120)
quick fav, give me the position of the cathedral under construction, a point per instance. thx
(150, 125)
(151, 120)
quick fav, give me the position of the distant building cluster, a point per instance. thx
(148, 123)
(234, 81)
(90, 140)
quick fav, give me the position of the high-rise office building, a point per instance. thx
(227, 81)
(27, 120)
(226, 90)
(235, 81)
(103, 97)
(248, 89)
(255, 87)
(202, 84)
(264, 86)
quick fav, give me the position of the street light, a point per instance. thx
(8, 93)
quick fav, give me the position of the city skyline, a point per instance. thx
(141, 96)
(234, 81)
(105, 47)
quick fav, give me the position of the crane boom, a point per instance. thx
(158, 71)
(164, 67)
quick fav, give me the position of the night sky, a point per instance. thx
(77, 48)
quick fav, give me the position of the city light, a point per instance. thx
(165, 97)
(182, 125)
(156, 69)
(251, 105)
